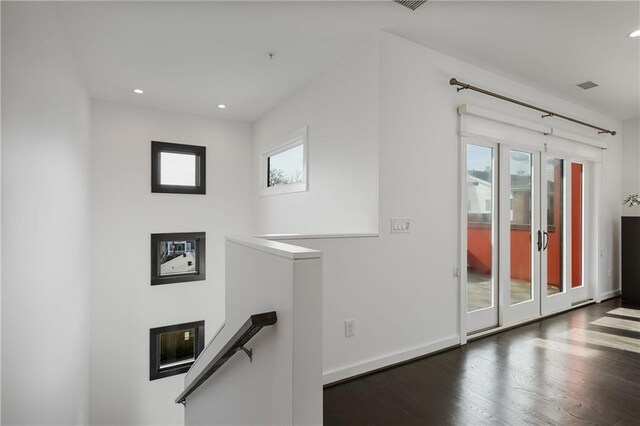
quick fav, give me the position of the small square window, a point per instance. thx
(173, 349)
(177, 168)
(177, 257)
(284, 169)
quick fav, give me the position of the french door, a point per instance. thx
(525, 227)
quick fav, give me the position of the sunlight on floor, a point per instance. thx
(626, 312)
(566, 348)
(597, 338)
(621, 324)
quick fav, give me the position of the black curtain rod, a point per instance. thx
(547, 113)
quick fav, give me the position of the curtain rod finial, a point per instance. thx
(453, 82)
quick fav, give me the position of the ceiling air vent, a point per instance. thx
(587, 85)
(411, 4)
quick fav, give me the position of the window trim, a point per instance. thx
(200, 275)
(201, 168)
(155, 372)
(300, 137)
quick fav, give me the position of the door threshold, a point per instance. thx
(499, 329)
(482, 330)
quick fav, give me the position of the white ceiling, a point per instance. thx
(550, 45)
(191, 56)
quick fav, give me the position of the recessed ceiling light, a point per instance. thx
(138, 91)
(222, 106)
(635, 34)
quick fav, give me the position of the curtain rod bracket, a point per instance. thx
(463, 86)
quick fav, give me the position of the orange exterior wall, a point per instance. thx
(554, 248)
(479, 246)
(576, 225)
(479, 253)
(479, 241)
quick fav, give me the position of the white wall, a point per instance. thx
(123, 305)
(341, 110)
(0, 219)
(631, 163)
(400, 288)
(45, 219)
(283, 384)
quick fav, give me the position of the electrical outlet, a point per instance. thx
(399, 226)
(349, 328)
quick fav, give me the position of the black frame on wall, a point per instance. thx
(155, 372)
(199, 275)
(157, 148)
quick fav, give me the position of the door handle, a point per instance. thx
(539, 243)
(546, 240)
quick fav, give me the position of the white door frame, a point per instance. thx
(561, 301)
(513, 314)
(585, 291)
(591, 230)
(488, 317)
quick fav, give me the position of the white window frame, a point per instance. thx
(295, 139)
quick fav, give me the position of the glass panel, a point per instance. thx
(480, 277)
(177, 257)
(521, 199)
(286, 167)
(576, 224)
(177, 169)
(177, 347)
(555, 226)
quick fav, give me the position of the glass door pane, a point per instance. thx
(480, 228)
(553, 241)
(521, 226)
(577, 221)
(554, 247)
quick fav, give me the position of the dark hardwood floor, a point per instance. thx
(559, 371)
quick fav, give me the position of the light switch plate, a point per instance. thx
(399, 226)
(349, 328)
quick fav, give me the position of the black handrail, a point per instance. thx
(237, 342)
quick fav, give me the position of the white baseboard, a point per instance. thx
(610, 295)
(373, 364)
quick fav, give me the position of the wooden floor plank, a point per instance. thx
(581, 367)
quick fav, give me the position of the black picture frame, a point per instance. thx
(155, 372)
(157, 148)
(156, 253)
